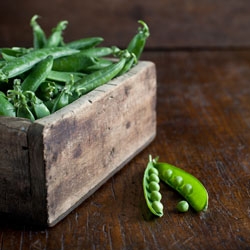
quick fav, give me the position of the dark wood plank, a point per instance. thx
(174, 23)
(203, 127)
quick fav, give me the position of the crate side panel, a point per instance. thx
(15, 195)
(39, 213)
(96, 136)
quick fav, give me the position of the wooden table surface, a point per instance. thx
(203, 115)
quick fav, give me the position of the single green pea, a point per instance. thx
(155, 196)
(153, 171)
(167, 174)
(187, 189)
(182, 206)
(157, 206)
(178, 181)
(154, 186)
(154, 177)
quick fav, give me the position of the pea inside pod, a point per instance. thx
(186, 184)
(151, 189)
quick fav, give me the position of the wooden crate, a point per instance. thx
(50, 166)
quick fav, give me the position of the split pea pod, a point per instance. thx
(151, 189)
(27, 61)
(186, 184)
(39, 37)
(6, 107)
(137, 44)
(37, 75)
(84, 43)
(98, 78)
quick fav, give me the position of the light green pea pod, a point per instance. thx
(186, 184)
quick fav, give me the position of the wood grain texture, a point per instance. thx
(173, 23)
(203, 120)
(15, 176)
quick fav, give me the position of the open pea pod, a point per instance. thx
(185, 183)
(151, 189)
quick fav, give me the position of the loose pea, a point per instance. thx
(154, 186)
(155, 196)
(182, 206)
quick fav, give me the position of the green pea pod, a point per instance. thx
(84, 43)
(10, 54)
(6, 107)
(129, 64)
(101, 64)
(24, 111)
(61, 101)
(39, 109)
(56, 36)
(27, 61)
(137, 44)
(98, 51)
(185, 183)
(60, 76)
(39, 37)
(74, 63)
(98, 78)
(37, 75)
(48, 90)
(151, 189)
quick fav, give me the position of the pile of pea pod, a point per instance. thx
(37, 81)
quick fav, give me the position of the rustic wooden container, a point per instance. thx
(50, 166)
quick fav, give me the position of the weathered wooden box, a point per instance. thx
(50, 166)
